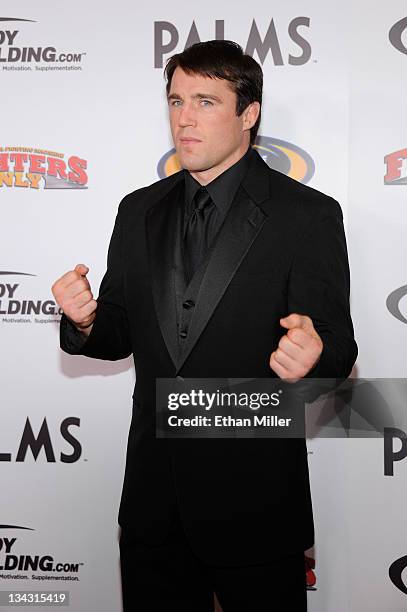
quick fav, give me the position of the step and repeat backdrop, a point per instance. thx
(83, 122)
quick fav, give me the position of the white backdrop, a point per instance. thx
(342, 102)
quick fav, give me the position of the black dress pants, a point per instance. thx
(170, 577)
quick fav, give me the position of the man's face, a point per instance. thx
(208, 135)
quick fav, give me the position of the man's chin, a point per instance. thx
(193, 165)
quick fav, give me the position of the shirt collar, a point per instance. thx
(223, 188)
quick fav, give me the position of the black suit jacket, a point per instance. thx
(281, 250)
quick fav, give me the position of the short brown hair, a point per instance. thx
(223, 59)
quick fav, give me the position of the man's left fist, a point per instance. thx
(299, 350)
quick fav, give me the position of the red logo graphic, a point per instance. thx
(396, 168)
(310, 574)
(32, 168)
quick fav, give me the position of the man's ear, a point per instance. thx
(250, 115)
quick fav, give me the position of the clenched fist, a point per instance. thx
(299, 350)
(73, 294)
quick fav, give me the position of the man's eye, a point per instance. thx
(175, 102)
(206, 102)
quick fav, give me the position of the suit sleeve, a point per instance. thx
(110, 335)
(319, 286)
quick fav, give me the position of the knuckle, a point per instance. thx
(64, 303)
(57, 286)
(282, 342)
(293, 334)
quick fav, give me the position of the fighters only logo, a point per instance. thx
(34, 168)
(396, 168)
(278, 154)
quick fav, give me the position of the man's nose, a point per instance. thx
(186, 116)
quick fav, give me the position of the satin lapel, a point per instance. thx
(241, 227)
(161, 226)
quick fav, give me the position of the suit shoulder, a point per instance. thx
(142, 198)
(297, 194)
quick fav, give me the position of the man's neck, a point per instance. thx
(207, 176)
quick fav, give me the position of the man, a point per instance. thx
(226, 269)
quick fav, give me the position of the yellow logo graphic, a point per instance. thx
(280, 155)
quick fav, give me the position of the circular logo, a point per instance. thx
(280, 155)
(396, 35)
(395, 573)
(393, 303)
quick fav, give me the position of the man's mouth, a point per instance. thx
(189, 140)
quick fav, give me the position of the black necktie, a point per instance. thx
(197, 231)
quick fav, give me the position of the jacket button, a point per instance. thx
(188, 304)
(183, 334)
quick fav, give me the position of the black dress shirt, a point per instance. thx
(222, 191)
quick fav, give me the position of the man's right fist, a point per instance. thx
(73, 294)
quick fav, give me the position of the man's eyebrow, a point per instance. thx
(175, 96)
(207, 96)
